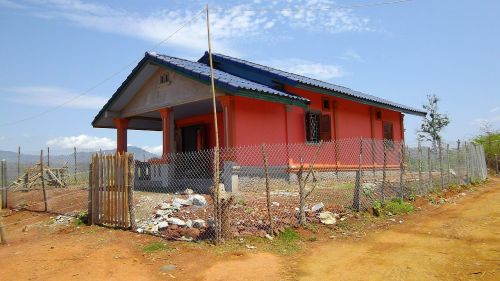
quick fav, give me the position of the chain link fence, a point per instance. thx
(48, 180)
(263, 189)
(266, 188)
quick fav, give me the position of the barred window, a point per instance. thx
(312, 127)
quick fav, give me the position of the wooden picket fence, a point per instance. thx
(110, 194)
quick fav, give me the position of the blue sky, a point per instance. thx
(52, 51)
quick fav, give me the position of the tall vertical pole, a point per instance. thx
(3, 184)
(48, 156)
(218, 227)
(74, 157)
(18, 161)
(419, 166)
(448, 163)
(42, 178)
(429, 164)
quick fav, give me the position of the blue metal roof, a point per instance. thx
(222, 79)
(245, 69)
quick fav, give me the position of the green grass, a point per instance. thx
(154, 247)
(398, 206)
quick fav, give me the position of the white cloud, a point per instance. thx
(494, 121)
(307, 68)
(228, 21)
(158, 150)
(82, 142)
(351, 55)
(495, 109)
(52, 96)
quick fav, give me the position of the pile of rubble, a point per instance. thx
(172, 219)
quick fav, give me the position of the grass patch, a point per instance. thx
(82, 218)
(398, 206)
(154, 247)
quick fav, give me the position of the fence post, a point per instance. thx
(3, 179)
(467, 176)
(48, 156)
(90, 203)
(429, 160)
(448, 161)
(440, 147)
(401, 170)
(356, 200)
(18, 161)
(43, 181)
(268, 190)
(419, 166)
(129, 179)
(74, 156)
(496, 164)
(382, 191)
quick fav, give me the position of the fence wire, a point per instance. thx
(267, 188)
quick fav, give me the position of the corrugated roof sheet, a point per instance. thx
(221, 79)
(294, 79)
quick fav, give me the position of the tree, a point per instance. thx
(433, 123)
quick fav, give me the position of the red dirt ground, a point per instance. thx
(458, 240)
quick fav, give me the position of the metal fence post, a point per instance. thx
(429, 162)
(401, 170)
(382, 191)
(48, 156)
(448, 165)
(496, 164)
(441, 163)
(419, 166)
(466, 163)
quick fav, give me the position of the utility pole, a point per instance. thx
(218, 226)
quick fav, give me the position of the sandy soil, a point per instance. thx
(453, 241)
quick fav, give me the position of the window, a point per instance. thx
(165, 79)
(326, 104)
(325, 128)
(388, 134)
(312, 127)
(378, 114)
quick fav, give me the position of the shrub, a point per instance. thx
(398, 206)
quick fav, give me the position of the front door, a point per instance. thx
(193, 138)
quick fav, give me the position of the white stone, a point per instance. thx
(275, 204)
(165, 206)
(269, 237)
(318, 207)
(198, 200)
(182, 202)
(140, 230)
(327, 218)
(188, 191)
(176, 221)
(189, 223)
(199, 223)
(162, 225)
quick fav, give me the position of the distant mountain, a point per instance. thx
(81, 157)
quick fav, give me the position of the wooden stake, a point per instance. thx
(42, 178)
(268, 190)
(218, 234)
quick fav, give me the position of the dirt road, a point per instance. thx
(453, 241)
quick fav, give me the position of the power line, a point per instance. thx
(105, 80)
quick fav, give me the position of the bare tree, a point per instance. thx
(433, 123)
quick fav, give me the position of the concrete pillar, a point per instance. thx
(227, 103)
(166, 128)
(121, 125)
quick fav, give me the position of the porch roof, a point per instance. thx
(299, 81)
(201, 72)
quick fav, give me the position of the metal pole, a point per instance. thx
(401, 169)
(441, 163)
(430, 167)
(356, 200)
(218, 234)
(419, 166)
(48, 156)
(467, 178)
(496, 164)
(382, 191)
(43, 181)
(448, 160)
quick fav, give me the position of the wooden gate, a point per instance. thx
(111, 186)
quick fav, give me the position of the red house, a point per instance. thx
(255, 104)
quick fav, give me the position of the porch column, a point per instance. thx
(165, 125)
(227, 103)
(121, 125)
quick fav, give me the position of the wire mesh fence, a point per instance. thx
(263, 189)
(266, 188)
(48, 180)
